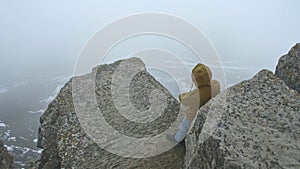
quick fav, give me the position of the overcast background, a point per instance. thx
(40, 41)
(39, 38)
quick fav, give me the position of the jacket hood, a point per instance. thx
(202, 75)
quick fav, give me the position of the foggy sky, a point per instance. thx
(43, 39)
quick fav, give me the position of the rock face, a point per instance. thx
(6, 160)
(288, 68)
(67, 144)
(257, 127)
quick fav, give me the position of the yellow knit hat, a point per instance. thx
(202, 74)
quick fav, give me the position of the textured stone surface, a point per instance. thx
(67, 145)
(6, 160)
(288, 68)
(258, 127)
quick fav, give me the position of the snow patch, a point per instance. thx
(9, 148)
(3, 125)
(24, 150)
(12, 139)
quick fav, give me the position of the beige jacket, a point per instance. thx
(192, 101)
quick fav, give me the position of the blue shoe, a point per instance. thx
(171, 137)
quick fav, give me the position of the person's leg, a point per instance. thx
(184, 128)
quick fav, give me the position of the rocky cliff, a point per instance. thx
(67, 144)
(6, 160)
(288, 68)
(257, 127)
(254, 124)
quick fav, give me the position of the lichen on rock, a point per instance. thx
(67, 144)
(6, 160)
(258, 127)
(288, 68)
(254, 124)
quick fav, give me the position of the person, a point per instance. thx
(206, 88)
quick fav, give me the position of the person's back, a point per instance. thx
(206, 89)
(192, 101)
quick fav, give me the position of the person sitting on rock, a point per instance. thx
(193, 100)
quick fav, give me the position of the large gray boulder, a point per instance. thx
(288, 68)
(66, 144)
(254, 124)
(6, 160)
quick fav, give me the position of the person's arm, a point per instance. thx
(190, 98)
(215, 88)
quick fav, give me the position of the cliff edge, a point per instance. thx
(6, 160)
(254, 124)
(67, 144)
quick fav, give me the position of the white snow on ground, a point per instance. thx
(9, 148)
(23, 138)
(5, 135)
(3, 125)
(12, 139)
(24, 150)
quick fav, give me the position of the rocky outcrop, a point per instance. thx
(6, 160)
(254, 124)
(67, 144)
(288, 68)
